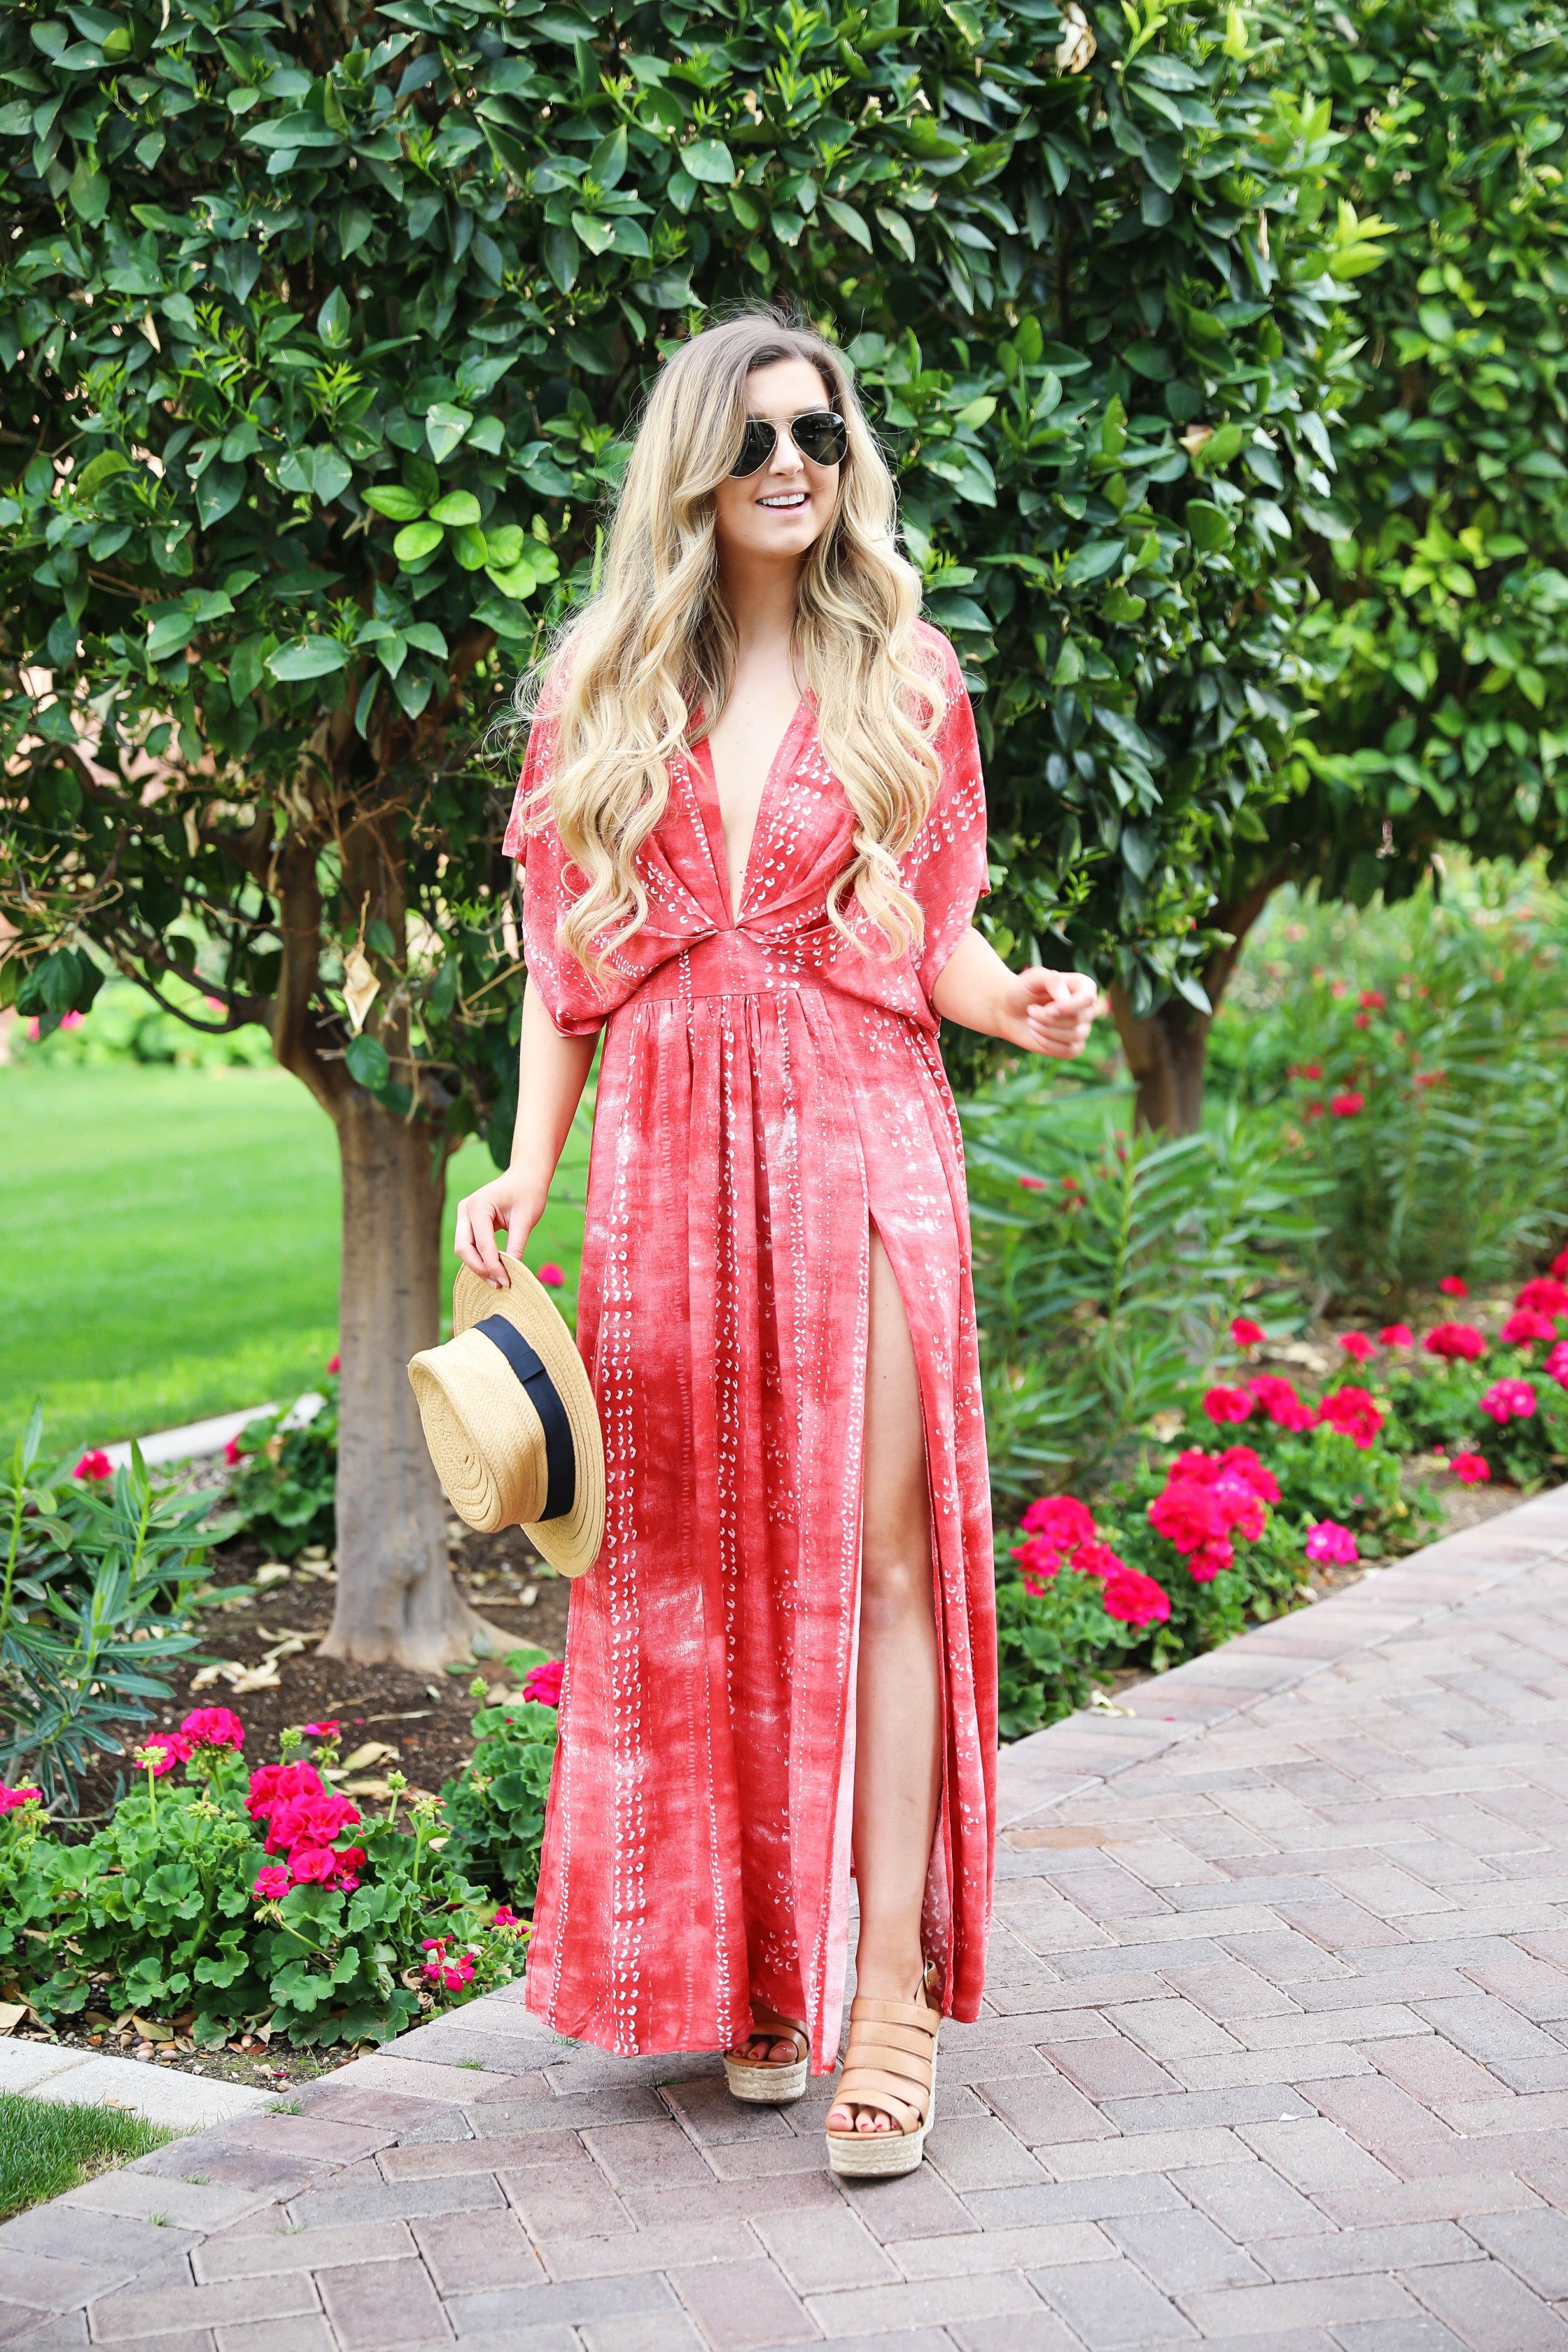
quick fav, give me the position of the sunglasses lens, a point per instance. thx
(821, 438)
(756, 449)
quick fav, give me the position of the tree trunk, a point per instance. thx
(396, 1601)
(1165, 1052)
(1166, 1049)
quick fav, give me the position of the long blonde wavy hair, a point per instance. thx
(657, 643)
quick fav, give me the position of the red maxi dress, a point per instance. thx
(766, 1094)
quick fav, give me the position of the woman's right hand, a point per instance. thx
(513, 1200)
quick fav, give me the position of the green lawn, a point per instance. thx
(48, 2147)
(172, 1244)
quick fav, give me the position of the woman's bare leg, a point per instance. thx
(898, 1757)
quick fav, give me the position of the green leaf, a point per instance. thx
(445, 427)
(562, 256)
(390, 499)
(368, 1062)
(315, 657)
(456, 506)
(1093, 561)
(709, 160)
(333, 320)
(99, 470)
(1207, 527)
(416, 539)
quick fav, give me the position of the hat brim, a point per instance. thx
(571, 1543)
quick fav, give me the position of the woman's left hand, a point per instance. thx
(1049, 1012)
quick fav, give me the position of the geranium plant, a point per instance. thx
(227, 1898)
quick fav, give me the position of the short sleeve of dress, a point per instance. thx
(946, 866)
(570, 999)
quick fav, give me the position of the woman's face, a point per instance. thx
(783, 508)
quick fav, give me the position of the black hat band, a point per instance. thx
(560, 1455)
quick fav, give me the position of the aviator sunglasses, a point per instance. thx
(818, 435)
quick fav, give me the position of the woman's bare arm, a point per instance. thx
(551, 1071)
(1043, 1011)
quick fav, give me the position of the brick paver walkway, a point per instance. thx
(1275, 2056)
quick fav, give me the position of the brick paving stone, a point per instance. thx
(1072, 2200)
(131, 2317)
(1314, 2155)
(1534, 2244)
(300, 2334)
(392, 2200)
(1392, 2246)
(1112, 2306)
(1037, 2247)
(1114, 2068)
(663, 2331)
(466, 2250)
(378, 2305)
(571, 2202)
(825, 2249)
(1423, 2335)
(1250, 2201)
(1013, 2331)
(742, 2306)
(724, 2242)
(443, 2160)
(1488, 2309)
(980, 2152)
(917, 2205)
(887, 2310)
(1331, 2302)
(787, 2193)
(1181, 2252)
(656, 2153)
(264, 2253)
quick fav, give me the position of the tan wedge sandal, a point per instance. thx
(890, 2065)
(770, 2082)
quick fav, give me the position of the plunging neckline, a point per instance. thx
(702, 755)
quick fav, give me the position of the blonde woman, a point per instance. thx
(753, 828)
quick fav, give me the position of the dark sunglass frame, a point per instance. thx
(822, 425)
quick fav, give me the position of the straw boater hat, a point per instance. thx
(510, 1419)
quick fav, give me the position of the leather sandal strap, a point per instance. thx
(766, 2024)
(907, 2065)
(908, 2037)
(908, 2013)
(867, 2086)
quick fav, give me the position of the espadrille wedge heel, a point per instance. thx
(770, 2082)
(890, 2065)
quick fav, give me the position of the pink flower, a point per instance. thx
(451, 1971)
(1223, 1405)
(543, 1684)
(1544, 1295)
(278, 1784)
(334, 1364)
(1346, 1106)
(233, 1453)
(1454, 1285)
(168, 1749)
(1280, 1402)
(1397, 1335)
(1039, 1560)
(351, 1861)
(1526, 1324)
(1352, 1411)
(1471, 1469)
(1357, 1344)
(308, 1819)
(1098, 1559)
(507, 1917)
(1241, 1462)
(311, 1865)
(272, 1883)
(1328, 1540)
(1459, 1342)
(1061, 1519)
(1136, 1599)
(1185, 1515)
(1313, 1110)
(1373, 1000)
(1560, 1265)
(327, 1730)
(1033, 1184)
(12, 1800)
(1246, 1333)
(1556, 1364)
(1208, 1560)
(1308, 1070)
(550, 1273)
(214, 1727)
(1508, 1401)
(94, 1464)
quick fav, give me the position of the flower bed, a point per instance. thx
(1196, 1543)
(229, 1900)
